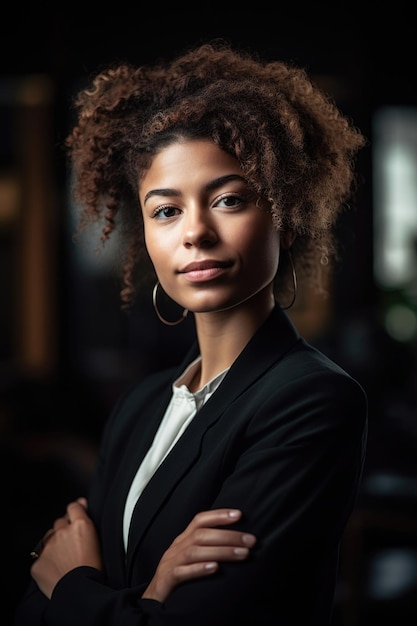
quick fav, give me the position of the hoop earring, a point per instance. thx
(155, 306)
(294, 283)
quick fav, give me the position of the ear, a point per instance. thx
(287, 238)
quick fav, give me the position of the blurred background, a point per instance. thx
(66, 349)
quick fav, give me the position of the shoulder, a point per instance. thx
(305, 384)
(307, 401)
(310, 368)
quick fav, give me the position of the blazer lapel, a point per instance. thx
(272, 340)
(136, 448)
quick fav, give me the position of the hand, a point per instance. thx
(198, 550)
(70, 543)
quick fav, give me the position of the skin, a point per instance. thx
(216, 254)
(198, 208)
(73, 542)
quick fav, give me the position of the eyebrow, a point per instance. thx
(210, 186)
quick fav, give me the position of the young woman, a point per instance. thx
(224, 484)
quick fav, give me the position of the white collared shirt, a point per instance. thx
(178, 415)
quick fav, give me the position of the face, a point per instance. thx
(211, 246)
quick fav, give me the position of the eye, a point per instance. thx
(165, 212)
(229, 201)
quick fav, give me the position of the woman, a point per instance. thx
(223, 485)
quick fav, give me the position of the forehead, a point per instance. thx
(188, 161)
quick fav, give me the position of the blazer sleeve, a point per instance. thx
(296, 483)
(294, 470)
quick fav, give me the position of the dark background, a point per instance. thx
(66, 350)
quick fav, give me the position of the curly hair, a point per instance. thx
(294, 146)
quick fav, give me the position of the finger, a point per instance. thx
(216, 517)
(203, 554)
(48, 534)
(60, 522)
(219, 537)
(75, 510)
(182, 573)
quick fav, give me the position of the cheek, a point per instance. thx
(269, 258)
(263, 245)
(160, 249)
(273, 247)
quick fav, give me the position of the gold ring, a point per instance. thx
(36, 552)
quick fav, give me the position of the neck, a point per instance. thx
(222, 335)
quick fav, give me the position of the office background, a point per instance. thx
(67, 350)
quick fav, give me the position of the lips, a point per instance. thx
(201, 271)
(208, 264)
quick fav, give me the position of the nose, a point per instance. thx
(199, 229)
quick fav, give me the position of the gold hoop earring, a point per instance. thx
(155, 306)
(294, 283)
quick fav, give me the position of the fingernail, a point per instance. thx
(234, 514)
(241, 552)
(210, 566)
(249, 540)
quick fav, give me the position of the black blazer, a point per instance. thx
(283, 438)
